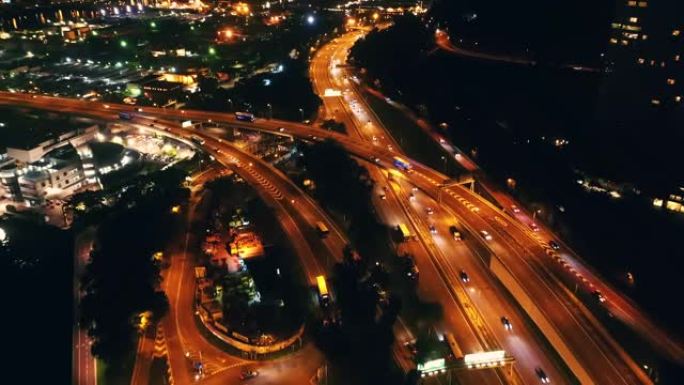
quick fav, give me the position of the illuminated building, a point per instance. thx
(644, 59)
(34, 169)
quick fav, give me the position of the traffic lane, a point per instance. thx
(293, 201)
(382, 176)
(520, 342)
(609, 347)
(573, 272)
(431, 286)
(291, 222)
(547, 299)
(293, 126)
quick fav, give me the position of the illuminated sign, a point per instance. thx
(329, 92)
(432, 366)
(478, 360)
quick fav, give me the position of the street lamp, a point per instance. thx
(270, 110)
(445, 164)
(301, 113)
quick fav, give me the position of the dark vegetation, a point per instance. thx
(122, 279)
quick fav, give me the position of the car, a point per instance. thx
(597, 294)
(390, 148)
(433, 229)
(411, 347)
(485, 234)
(534, 227)
(515, 209)
(281, 129)
(455, 233)
(542, 375)
(383, 196)
(429, 211)
(413, 272)
(247, 373)
(139, 109)
(412, 197)
(554, 245)
(464, 276)
(506, 323)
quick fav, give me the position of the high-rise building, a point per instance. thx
(646, 59)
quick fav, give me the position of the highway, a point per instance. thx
(298, 214)
(444, 43)
(517, 247)
(326, 74)
(481, 301)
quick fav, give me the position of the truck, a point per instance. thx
(186, 124)
(125, 116)
(322, 229)
(323, 294)
(404, 231)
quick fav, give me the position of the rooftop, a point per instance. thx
(24, 129)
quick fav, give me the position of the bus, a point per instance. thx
(244, 116)
(323, 295)
(453, 345)
(322, 229)
(197, 140)
(405, 233)
(401, 163)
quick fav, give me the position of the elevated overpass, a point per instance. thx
(593, 355)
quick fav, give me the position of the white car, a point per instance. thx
(506, 323)
(485, 234)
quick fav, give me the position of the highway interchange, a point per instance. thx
(472, 309)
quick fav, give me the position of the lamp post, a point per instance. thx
(270, 110)
(445, 165)
(301, 113)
